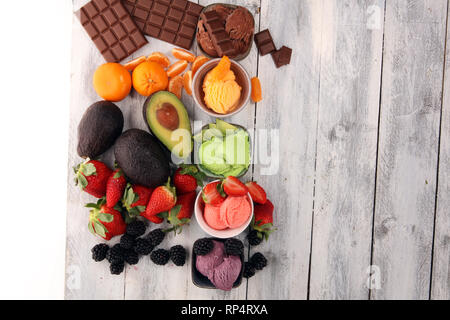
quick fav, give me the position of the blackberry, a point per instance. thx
(249, 270)
(136, 228)
(160, 257)
(127, 241)
(99, 252)
(115, 254)
(203, 246)
(131, 257)
(234, 247)
(178, 255)
(156, 237)
(258, 261)
(117, 268)
(143, 246)
(254, 238)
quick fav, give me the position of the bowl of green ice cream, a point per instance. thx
(223, 149)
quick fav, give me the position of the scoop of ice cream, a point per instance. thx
(222, 92)
(240, 24)
(206, 264)
(235, 211)
(204, 40)
(213, 218)
(227, 272)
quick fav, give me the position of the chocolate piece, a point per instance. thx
(264, 42)
(216, 30)
(204, 40)
(282, 57)
(111, 29)
(173, 21)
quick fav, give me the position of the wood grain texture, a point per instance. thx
(346, 150)
(440, 287)
(289, 107)
(408, 147)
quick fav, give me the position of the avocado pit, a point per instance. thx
(167, 116)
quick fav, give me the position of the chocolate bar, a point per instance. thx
(173, 21)
(282, 56)
(264, 42)
(215, 27)
(111, 29)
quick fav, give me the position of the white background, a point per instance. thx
(35, 45)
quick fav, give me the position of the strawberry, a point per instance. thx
(187, 178)
(92, 176)
(233, 187)
(257, 192)
(212, 194)
(263, 219)
(162, 199)
(181, 214)
(135, 199)
(115, 187)
(156, 219)
(104, 221)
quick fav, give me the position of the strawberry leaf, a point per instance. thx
(117, 175)
(88, 169)
(140, 208)
(100, 229)
(105, 217)
(91, 205)
(82, 181)
(91, 228)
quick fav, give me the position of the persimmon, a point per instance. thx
(182, 54)
(149, 77)
(256, 90)
(177, 68)
(176, 85)
(187, 82)
(131, 65)
(112, 82)
(160, 58)
(198, 62)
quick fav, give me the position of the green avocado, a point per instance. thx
(168, 120)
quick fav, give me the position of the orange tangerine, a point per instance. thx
(131, 65)
(182, 54)
(149, 77)
(198, 62)
(187, 82)
(175, 85)
(177, 68)
(112, 82)
(160, 58)
(256, 90)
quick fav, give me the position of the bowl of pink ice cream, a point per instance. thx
(226, 220)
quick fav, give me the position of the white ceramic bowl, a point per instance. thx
(222, 234)
(242, 78)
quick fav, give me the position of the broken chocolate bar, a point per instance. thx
(173, 21)
(111, 29)
(264, 42)
(216, 29)
(282, 56)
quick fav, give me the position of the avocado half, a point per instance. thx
(168, 120)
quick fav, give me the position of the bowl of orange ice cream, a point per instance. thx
(221, 87)
(226, 220)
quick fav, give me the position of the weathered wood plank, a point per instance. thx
(289, 108)
(440, 286)
(350, 72)
(408, 147)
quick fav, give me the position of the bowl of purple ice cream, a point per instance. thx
(217, 269)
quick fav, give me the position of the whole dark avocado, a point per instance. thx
(141, 158)
(100, 126)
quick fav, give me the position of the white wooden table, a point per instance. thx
(363, 115)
